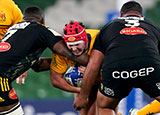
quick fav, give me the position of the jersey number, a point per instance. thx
(8, 34)
(13, 29)
(132, 23)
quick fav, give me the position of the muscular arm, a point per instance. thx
(89, 79)
(61, 48)
(91, 73)
(58, 81)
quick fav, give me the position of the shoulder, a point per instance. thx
(60, 63)
(8, 2)
(59, 58)
(149, 22)
(56, 56)
(39, 27)
(54, 32)
(12, 5)
(31, 26)
(92, 32)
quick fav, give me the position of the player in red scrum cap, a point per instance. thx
(79, 40)
(76, 37)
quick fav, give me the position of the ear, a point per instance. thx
(42, 21)
(121, 15)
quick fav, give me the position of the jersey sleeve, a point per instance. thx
(58, 63)
(17, 14)
(54, 32)
(48, 37)
(92, 35)
(98, 43)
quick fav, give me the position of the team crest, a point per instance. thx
(133, 31)
(12, 94)
(4, 46)
(2, 16)
(71, 39)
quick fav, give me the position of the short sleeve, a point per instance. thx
(98, 43)
(17, 14)
(58, 63)
(48, 37)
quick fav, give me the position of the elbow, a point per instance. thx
(36, 69)
(54, 83)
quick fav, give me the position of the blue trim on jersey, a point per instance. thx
(89, 40)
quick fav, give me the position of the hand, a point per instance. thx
(80, 102)
(21, 79)
(82, 69)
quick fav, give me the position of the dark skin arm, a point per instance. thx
(61, 48)
(89, 78)
(43, 64)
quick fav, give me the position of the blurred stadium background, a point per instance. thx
(37, 96)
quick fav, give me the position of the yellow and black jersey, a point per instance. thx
(60, 63)
(10, 14)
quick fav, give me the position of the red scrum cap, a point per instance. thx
(75, 33)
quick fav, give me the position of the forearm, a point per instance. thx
(91, 73)
(58, 81)
(63, 85)
(61, 48)
(43, 64)
(89, 80)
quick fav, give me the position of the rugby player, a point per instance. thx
(128, 50)
(10, 14)
(20, 47)
(79, 40)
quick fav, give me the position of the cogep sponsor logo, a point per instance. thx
(132, 74)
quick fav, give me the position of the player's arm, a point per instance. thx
(91, 72)
(61, 48)
(42, 64)
(93, 67)
(58, 81)
(57, 45)
(89, 78)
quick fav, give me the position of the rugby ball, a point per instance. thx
(73, 76)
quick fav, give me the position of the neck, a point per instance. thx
(31, 19)
(132, 13)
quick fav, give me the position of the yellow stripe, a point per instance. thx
(7, 84)
(4, 82)
(1, 82)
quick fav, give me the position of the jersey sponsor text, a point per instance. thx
(132, 74)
